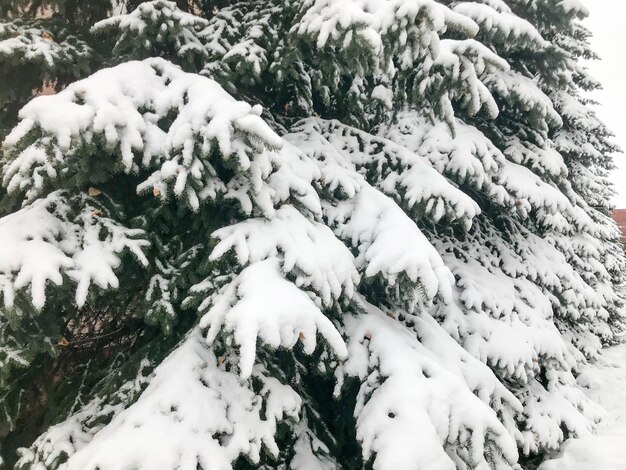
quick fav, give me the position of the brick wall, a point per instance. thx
(619, 215)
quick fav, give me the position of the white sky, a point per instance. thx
(607, 21)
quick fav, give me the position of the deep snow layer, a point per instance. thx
(605, 383)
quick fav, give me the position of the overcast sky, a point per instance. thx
(607, 21)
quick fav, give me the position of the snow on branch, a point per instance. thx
(33, 43)
(155, 24)
(390, 244)
(524, 94)
(143, 116)
(261, 304)
(392, 168)
(196, 413)
(411, 411)
(62, 235)
(62, 440)
(501, 26)
(308, 250)
(467, 157)
(373, 21)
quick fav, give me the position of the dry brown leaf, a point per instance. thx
(94, 191)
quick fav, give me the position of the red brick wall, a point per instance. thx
(620, 218)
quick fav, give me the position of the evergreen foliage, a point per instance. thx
(304, 234)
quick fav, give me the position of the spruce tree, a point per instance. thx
(305, 234)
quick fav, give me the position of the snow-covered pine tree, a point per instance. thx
(307, 235)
